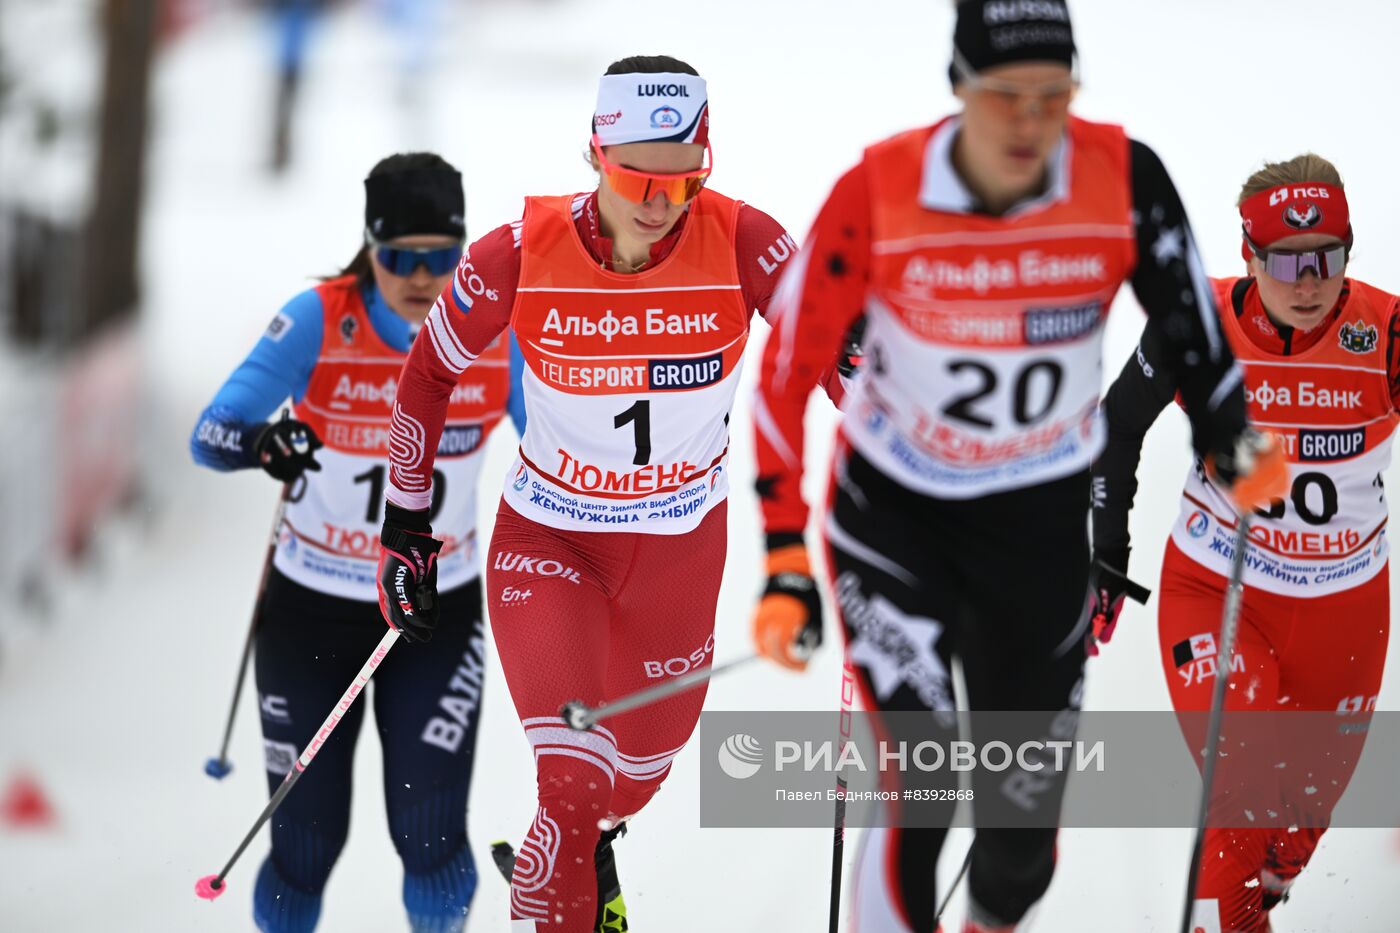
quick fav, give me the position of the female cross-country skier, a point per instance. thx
(631, 304)
(1322, 374)
(984, 252)
(336, 351)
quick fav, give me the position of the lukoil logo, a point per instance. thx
(741, 756)
(662, 90)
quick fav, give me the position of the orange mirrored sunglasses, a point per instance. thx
(1011, 99)
(640, 187)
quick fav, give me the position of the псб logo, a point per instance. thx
(1281, 195)
(741, 756)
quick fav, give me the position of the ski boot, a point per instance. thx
(612, 911)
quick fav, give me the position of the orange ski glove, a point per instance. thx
(787, 625)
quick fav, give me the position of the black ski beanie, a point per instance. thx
(413, 202)
(998, 32)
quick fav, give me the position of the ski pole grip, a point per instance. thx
(1135, 591)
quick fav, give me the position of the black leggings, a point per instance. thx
(999, 581)
(427, 703)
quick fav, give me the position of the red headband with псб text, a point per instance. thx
(1290, 210)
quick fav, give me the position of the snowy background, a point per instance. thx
(114, 703)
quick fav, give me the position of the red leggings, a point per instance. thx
(1323, 654)
(592, 616)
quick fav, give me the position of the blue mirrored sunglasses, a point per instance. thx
(400, 260)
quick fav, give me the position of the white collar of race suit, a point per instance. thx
(942, 189)
(639, 108)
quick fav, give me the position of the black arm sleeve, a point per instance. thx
(1392, 354)
(1171, 285)
(1132, 404)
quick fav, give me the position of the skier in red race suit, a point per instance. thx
(1322, 373)
(631, 305)
(984, 252)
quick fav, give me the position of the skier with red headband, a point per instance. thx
(1322, 374)
(983, 253)
(631, 305)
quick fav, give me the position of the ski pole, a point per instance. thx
(838, 842)
(948, 897)
(1229, 622)
(581, 717)
(219, 768)
(211, 886)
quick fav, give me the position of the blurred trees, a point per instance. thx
(75, 77)
(110, 286)
(74, 146)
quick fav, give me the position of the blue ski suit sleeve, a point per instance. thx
(515, 401)
(278, 368)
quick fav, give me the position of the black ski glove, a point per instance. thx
(1109, 586)
(285, 448)
(408, 573)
